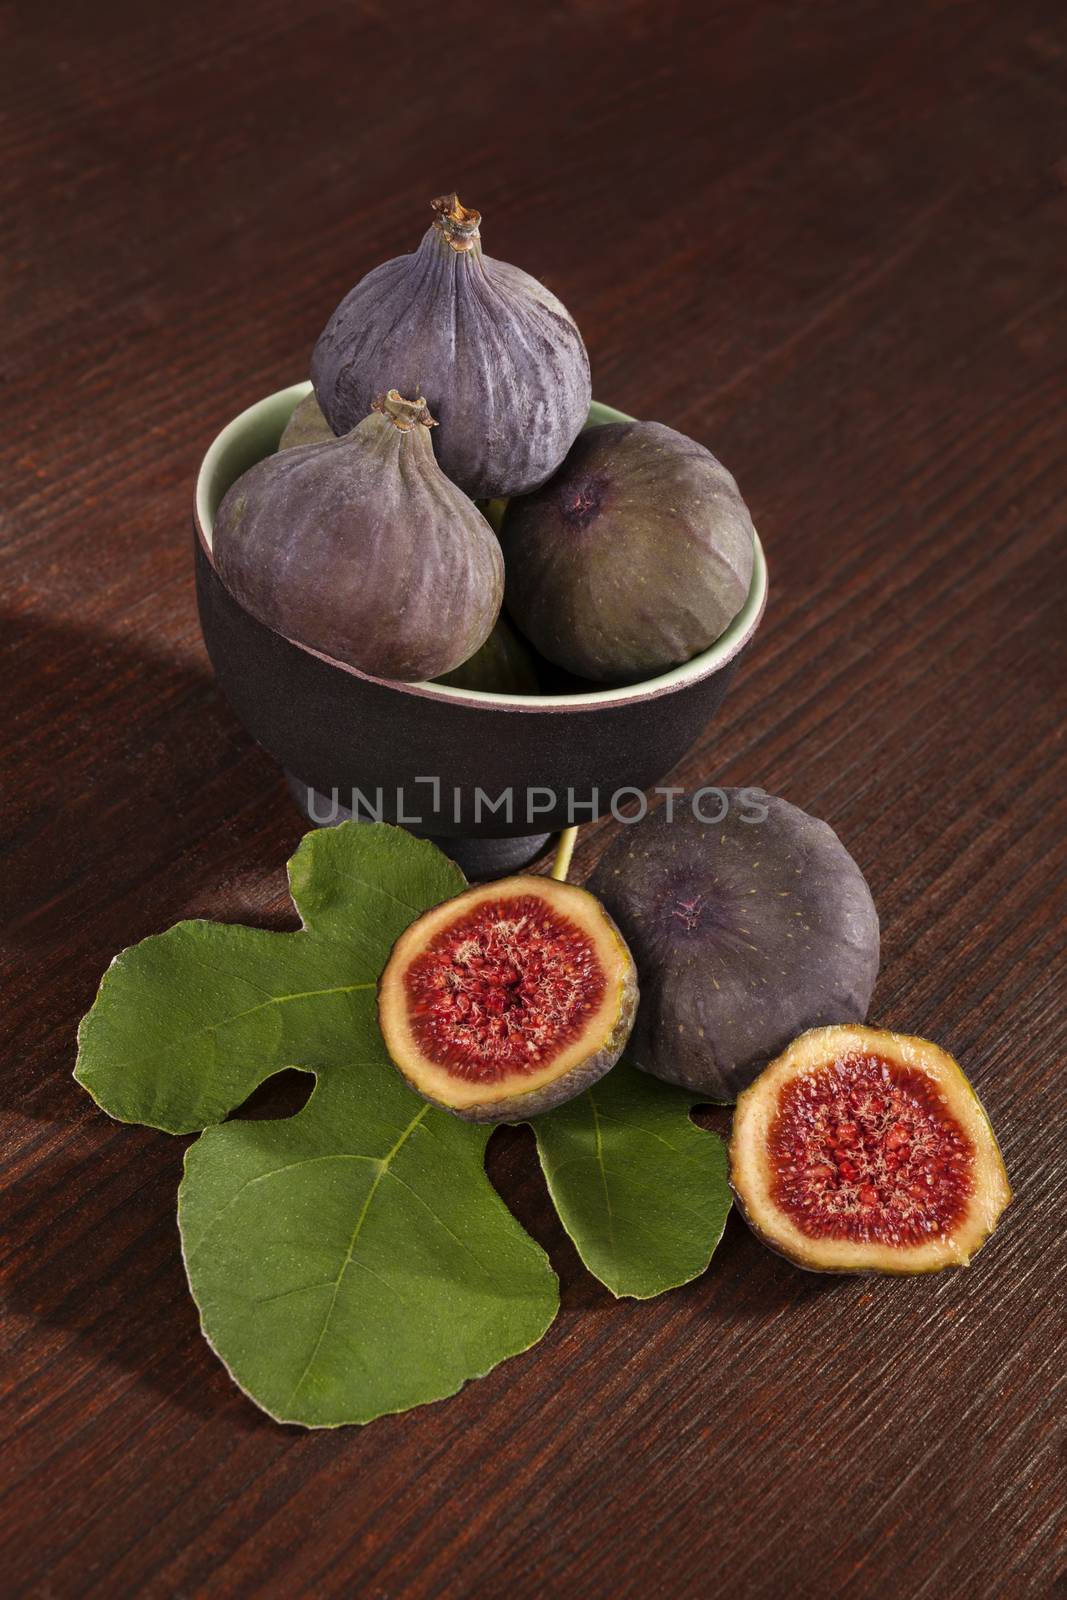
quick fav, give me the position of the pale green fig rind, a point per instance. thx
(596, 1056)
(360, 548)
(498, 357)
(307, 425)
(635, 556)
(746, 933)
(821, 1046)
(640, 1188)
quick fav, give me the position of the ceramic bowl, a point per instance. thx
(487, 775)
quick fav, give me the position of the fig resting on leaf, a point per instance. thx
(499, 359)
(859, 1150)
(361, 548)
(509, 999)
(632, 558)
(746, 931)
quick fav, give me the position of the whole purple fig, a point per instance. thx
(361, 548)
(748, 926)
(632, 558)
(500, 360)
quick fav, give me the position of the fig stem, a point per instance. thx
(403, 414)
(564, 851)
(458, 223)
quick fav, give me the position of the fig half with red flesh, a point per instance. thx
(509, 999)
(859, 1150)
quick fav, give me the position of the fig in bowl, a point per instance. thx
(633, 557)
(361, 547)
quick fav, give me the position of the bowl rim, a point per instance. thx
(710, 661)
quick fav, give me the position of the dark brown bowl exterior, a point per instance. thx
(340, 732)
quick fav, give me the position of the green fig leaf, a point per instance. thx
(187, 1023)
(641, 1190)
(355, 1260)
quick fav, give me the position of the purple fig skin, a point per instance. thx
(362, 549)
(499, 359)
(745, 934)
(634, 557)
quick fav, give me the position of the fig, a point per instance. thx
(632, 558)
(493, 512)
(500, 360)
(509, 999)
(362, 549)
(505, 664)
(746, 931)
(307, 425)
(864, 1151)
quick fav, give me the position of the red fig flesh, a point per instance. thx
(509, 999)
(859, 1150)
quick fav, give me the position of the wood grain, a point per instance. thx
(827, 239)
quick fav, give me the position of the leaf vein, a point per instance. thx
(439, 1220)
(675, 1149)
(376, 888)
(603, 1169)
(346, 1263)
(300, 1288)
(249, 1183)
(277, 1000)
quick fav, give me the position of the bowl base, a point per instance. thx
(478, 859)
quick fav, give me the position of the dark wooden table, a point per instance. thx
(827, 239)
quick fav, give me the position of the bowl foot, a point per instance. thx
(479, 859)
(482, 859)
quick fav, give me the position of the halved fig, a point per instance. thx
(509, 999)
(859, 1150)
